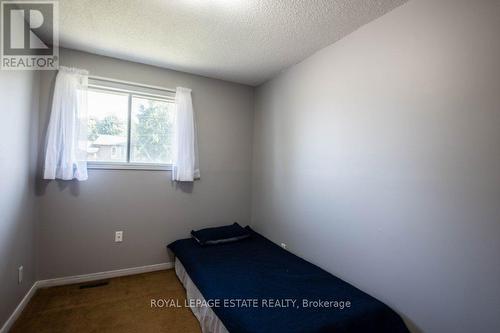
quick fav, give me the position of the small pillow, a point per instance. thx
(218, 235)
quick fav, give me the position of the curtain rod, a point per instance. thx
(101, 78)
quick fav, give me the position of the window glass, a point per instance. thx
(151, 130)
(107, 126)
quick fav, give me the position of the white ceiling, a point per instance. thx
(246, 41)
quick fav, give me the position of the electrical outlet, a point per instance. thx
(283, 245)
(20, 274)
(118, 236)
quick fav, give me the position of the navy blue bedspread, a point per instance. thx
(257, 269)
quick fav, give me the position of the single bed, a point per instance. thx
(269, 278)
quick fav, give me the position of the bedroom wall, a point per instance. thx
(18, 129)
(78, 220)
(378, 159)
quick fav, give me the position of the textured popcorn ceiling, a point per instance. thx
(246, 41)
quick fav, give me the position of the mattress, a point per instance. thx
(282, 292)
(209, 321)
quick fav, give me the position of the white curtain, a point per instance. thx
(66, 152)
(185, 167)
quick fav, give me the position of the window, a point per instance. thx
(129, 126)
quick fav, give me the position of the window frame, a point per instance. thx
(131, 90)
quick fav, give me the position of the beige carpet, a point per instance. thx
(121, 306)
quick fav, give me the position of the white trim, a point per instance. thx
(128, 166)
(78, 279)
(162, 96)
(103, 275)
(130, 83)
(19, 309)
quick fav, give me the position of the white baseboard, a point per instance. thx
(78, 279)
(103, 275)
(19, 309)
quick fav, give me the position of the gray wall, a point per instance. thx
(18, 128)
(378, 159)
(78, 220)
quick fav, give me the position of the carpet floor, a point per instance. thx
(122, 305)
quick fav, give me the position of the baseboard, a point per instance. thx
(19, 309)
(103, 275)
(78, 279)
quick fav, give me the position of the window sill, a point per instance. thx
(128, 166)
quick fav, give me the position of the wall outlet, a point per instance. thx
(283, 245)
(118, 236)
(20, 270)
